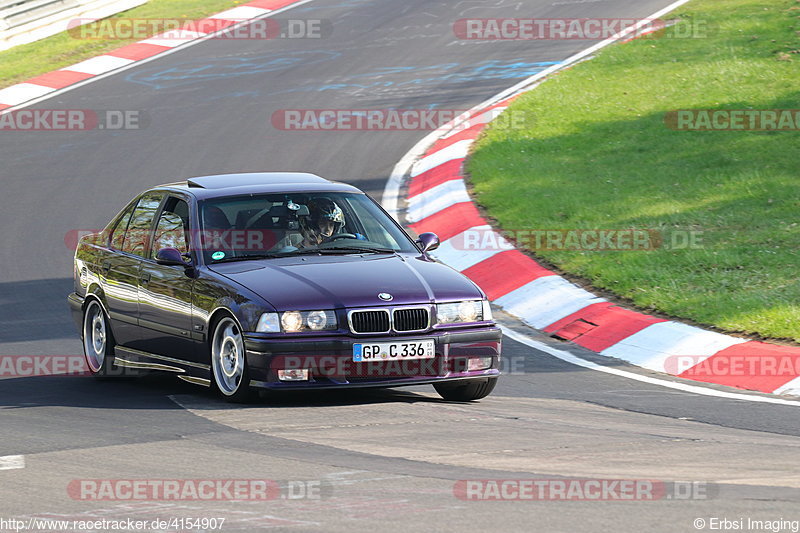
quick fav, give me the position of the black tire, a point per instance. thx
(98, 341)
(230, 375)
(466, 391)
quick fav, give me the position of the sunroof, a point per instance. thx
(223, 181)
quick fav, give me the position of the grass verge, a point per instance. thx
(600, 155)
(61, 50)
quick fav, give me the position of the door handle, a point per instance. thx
(145, 279)
(106, 266)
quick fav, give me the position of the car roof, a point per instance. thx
(220, 185)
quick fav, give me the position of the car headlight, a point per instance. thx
(292, 321)
(297, 321)
(463, 312)
(317, 320)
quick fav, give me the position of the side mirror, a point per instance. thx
(428, 241)
(171, 257)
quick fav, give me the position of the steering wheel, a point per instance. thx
(338, 236)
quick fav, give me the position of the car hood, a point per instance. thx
(312, 282)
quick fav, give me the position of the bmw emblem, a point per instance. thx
(385, 296)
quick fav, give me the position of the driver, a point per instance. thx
(324, 219)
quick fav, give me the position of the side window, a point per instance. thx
(172, 228)
(118, 234)
(141, 223)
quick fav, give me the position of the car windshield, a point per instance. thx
(278, 225)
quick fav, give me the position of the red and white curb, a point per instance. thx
(47, 84)
(437, 201)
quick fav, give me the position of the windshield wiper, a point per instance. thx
(339, 250)
(358, 249)
(245, 258)
(307, 251)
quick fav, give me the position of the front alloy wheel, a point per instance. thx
(229, 363)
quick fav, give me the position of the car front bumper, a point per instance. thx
(330, 362)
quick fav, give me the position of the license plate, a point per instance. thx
(394, 351)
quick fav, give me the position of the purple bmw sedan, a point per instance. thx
(278, 281)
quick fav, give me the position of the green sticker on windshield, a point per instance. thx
(216, 256)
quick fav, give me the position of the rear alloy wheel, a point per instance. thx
(98, 342)
(229, 362)
(466, 391)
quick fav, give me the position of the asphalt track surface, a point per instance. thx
(387, 459)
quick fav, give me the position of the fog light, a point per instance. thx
(293, 374)
(479, 363)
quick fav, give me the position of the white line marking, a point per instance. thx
(171, 39)
(572, 359)
(483, 118)
(585, 53)
(12, 462)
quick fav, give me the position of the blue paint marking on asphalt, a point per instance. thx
(468, 74)
(483, 72)
(226, 67)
